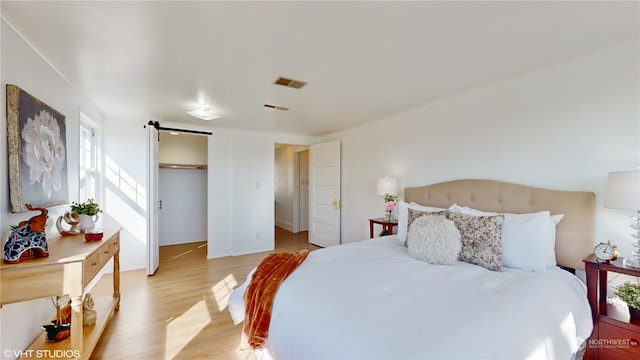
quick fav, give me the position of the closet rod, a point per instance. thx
(178, 166)
(156, 125)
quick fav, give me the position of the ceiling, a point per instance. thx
(361, 60)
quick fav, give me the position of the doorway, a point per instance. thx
(291, 190)
(182, 185)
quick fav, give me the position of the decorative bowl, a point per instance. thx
(93, 234)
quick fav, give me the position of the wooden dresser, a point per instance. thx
(71, 265)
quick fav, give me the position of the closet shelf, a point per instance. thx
(180, 166)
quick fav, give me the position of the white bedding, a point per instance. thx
(371, 300)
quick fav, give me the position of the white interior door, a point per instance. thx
(324, 194)
(153, 201)
(304, 190)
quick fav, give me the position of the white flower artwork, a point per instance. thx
(36, 139)
(44, 152)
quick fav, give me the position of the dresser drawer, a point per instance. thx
(92, 266)
(618, 343)
(107, 250)
(114, 245)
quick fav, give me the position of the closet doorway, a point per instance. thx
(291, 187)
(182, 187)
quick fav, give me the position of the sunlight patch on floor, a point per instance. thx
(223, 289)
(184, 328)
(183, 254)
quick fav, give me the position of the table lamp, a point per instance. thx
(623, 192)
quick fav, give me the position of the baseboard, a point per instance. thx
(285, 225)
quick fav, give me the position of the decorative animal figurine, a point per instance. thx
(70, 218)
(89, 315)
(28, 240)
(61, 326)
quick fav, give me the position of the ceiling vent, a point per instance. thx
(276, 107)
(296, 84)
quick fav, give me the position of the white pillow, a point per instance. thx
(434, 239)
(551, 251)
(403, 218)
(528, 240)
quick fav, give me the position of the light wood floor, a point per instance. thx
(181, 311)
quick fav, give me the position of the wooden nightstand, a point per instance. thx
(613, 336)
(387, 225)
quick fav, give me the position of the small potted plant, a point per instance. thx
(88, 212)
(630, 294)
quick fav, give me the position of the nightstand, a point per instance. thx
(613, 336)
(387, 225)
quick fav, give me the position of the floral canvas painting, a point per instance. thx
(36, 137)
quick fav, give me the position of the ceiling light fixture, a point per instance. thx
(203, 113)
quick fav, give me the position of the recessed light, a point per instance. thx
(203, 113)
(173, 133)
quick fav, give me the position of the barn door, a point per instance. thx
(153, 201)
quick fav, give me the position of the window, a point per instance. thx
(88, 162)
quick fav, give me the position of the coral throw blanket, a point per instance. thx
(261, 292)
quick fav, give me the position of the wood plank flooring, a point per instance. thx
(181, 312)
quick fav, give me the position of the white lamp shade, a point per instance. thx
(623, 190)
(387, 185)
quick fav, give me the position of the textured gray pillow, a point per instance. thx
(434, 239)
(481, 239)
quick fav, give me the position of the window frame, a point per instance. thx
(89, 169)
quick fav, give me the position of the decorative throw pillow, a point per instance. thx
(434, 239)
(414, 214)
(528, 240)
(481, 241)
(403, 213)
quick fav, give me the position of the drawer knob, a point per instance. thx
(94, 263)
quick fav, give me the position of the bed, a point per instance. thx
(371, 300)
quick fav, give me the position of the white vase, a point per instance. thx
(88, 222)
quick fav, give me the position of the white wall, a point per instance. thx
(241, 190)
(22, 66)
(562, 127)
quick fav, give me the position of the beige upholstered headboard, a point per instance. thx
(574, 236)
